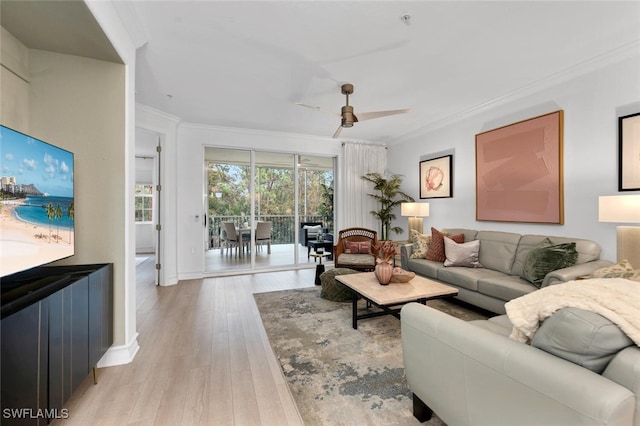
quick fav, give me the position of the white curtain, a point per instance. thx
(354, 205)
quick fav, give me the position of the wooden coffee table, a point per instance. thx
(390, 298)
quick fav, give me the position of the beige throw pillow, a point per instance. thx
(420, 245)
(614, 271)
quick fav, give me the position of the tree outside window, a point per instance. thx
(144, 203)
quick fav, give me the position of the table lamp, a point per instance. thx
(415, 211)
(623, 209)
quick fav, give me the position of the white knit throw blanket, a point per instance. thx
(616, 299)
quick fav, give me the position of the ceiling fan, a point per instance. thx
(347, 115)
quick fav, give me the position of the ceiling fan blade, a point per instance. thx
(378, 114)
(337, 133)
(317, 108)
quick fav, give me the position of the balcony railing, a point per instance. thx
(282, 227)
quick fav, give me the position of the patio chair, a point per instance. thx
(351, 249)
(231, 237)
(310, 231)
(263, 235)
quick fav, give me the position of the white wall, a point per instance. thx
(591, 103)
(190, 172)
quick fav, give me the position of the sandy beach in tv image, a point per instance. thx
(24, 244)
(37, 209)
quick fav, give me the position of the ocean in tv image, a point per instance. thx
(37, 215)
(34, 210)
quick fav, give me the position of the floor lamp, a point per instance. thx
(415, 211)
(623, 209)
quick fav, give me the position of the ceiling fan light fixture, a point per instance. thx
(347, 116)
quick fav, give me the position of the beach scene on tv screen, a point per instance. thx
(37, 208)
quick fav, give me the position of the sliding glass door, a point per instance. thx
(228, 201)
(256, 207)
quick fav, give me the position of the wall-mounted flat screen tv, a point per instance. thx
(37, 210)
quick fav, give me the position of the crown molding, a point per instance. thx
(593, 64)
(158, 113)
(126, 11)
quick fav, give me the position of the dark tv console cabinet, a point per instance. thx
(56, 323)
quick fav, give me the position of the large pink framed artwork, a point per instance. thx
(519, 172)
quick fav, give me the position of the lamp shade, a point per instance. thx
(414, 209)
(619, 208)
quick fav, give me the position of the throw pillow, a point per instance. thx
(436, 248)
(547, 257)
(364, 247)
(613, 271)
(350, 247)
(633, 275)
(420, 245)
(464, 254)
(357, 247)
(582, 337)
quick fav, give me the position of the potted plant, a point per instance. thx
(389, 196)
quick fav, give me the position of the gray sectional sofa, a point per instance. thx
(472, 373)
(502, 256)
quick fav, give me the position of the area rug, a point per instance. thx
(338, 375)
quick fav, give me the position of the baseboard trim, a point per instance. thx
(119, 355)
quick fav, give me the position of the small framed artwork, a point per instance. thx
(629, 152)
(436, 177)
(519, 172)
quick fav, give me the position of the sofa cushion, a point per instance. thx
(547, 257)
(505, 287)
(466, 278)
(469, 234)
(436, 248)
(420, 244)
(356, 259)
(497, 250)
(424, 267)
(582, 337)
(499, 324)
(461, 254)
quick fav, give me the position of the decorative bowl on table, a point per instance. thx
(402, 276)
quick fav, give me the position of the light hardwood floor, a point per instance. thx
(204, 358)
